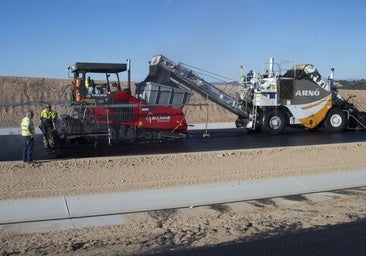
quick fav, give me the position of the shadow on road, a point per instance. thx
(343, 239)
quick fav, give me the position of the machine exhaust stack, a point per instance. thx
(331, 76)
(271, 67)
(129, 74)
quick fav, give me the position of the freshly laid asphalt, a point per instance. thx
(223, 136)
(12, 141)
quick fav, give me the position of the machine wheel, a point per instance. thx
(273, 122)
(336, 120)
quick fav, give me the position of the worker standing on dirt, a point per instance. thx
(28, 132)
(48, 126)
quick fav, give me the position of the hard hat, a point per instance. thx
(48, 106)
(29, 113)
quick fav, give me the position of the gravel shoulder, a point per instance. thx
(130, 173)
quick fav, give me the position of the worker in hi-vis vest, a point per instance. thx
(48, 126)
(28, 132)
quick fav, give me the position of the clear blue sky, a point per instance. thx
(39, 38)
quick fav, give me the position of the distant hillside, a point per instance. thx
(353, 84)
(39, 91)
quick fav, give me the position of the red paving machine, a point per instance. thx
(104, 113)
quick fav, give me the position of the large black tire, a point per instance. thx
(336, 120)
(273, 122)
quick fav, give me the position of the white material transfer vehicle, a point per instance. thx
(273, 100)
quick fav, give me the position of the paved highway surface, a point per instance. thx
(220, 139)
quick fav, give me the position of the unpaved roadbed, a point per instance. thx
(128, 173)
(190, 228)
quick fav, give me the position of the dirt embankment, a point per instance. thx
(24, 90)
(32, 90)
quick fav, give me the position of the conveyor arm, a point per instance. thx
(177, 72)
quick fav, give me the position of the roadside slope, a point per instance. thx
(131, 173)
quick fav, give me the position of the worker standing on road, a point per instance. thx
(48, 126)
(28, 132)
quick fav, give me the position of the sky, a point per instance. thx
(40, 38)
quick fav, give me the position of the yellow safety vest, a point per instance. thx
(27, 127)
(48, 114)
